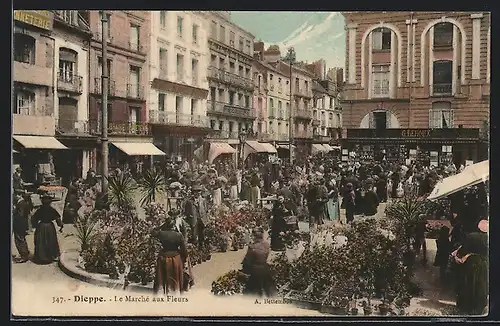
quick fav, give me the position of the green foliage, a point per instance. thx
(152, 185)
(121, 191)
(85, 229)
(228, 284)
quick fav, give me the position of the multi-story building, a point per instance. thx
(421, 77)
(127, 47)
(72, 37)
(178, 89)
(230, 77)
(260, 125)
(273, 125)
(35, 81)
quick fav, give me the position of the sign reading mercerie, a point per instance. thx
(39, 18)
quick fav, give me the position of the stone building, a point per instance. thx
(424, 71)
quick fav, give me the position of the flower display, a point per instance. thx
(228, 284)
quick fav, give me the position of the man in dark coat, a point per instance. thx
(371, 200)
(196, 212)
(20, 225)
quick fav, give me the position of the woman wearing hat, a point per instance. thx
(169, 275)
(46, 244)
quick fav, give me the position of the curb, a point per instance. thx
(68, 268)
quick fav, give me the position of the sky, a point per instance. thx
(314, 35)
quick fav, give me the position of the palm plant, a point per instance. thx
(121, 190)
(85, 227)
(151, 186)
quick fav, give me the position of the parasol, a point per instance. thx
(470, 176)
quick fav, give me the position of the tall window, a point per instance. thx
(134, 83)
(178, 108)
(99, 32)
(25, 102)
(195, 34)
(194, 104)
(231, 97)
(69, 16)
(442, 77)
(232, 67)
(163, 19)
(67, 64)
(134, 113)
(380, 81)
(222, 34)
(271, 107)
(134, 37)
(443, 35)
(247, 73)
(180, 67)
(241, 43)
(194, 71)
(161, 102)
(280, 110)
(231, 38)
(279, 85)
(222, 64)
(247, 101)
(24, 48)
(213, 29)
(179, 26)
(240, 100)
(241, 71)
(297, 84)
(248, 47)
(441, 115)
(99, 67)
(163, 59)
(381, 39)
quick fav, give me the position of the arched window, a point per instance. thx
(24, 48)
(67, 64)
(441, 115)
(381, 39)
(24, 102)
(442, 75)
(443, 35)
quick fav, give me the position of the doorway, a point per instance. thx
(380, 120)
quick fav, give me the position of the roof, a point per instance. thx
(316, 87)
(286, 66)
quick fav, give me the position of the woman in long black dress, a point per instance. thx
(278, 224)
(46, 244)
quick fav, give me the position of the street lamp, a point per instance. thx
(243, 137)
(290, 58)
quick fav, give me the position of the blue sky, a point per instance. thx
(314, 35)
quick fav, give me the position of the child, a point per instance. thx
(444, 249)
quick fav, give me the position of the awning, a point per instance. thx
(137, 149)
(217, 149)
(285, 146)
(253, 146)
(318, 148)
(269, 148)
(39, 142)
(328, 147)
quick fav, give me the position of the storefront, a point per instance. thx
(425, 146)
(77, 160)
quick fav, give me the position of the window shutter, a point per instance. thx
(371, 122)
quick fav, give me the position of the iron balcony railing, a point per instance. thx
(98, 86)
(441, 89)
(230, 109)
(173, 118)
(230, 78)
(135, 91)
(303, 114)
(303, 92)
(135, 46)
(303, 134)
(224, 134)
(121, 128)
(69, 82)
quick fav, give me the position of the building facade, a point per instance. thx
(422, 71)
(230, 77)
(127, 48)
(178, 87)
(261, 122)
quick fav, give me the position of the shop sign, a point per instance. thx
(39, 18)
(415, 133)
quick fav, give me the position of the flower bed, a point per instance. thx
(228, 284)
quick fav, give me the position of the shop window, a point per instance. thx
(381, 39)
(441, 115)
(24, 48)
(443, 35)
(25, 102)
(442, 74)
(380, 81)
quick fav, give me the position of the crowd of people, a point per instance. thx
(314, 191)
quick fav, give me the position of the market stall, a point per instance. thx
(218, 149)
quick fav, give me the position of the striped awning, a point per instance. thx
(328, 147)
(139, 149)
(318, 148)
(269, 148)
(217, 149)
(39, 142)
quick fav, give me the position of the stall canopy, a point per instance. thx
(470, 176)
(269, 148)
(328, 147)
(217, 149)
(252, 146)
(39, 142)
(138, 149)
(318, 148)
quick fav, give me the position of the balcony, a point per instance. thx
(124, 128)
(441, 90)
(302, 134)
(172, 118)
(69, 83)
(316, 122)
(227, 77)
(303, 92)
(302, 114)
(32, 74)
(135, 92)
(72, 126)
(282, 137)
(98, 86)
(40, 125)
(224, 134)
(230, 110)
(322, 138)
(265, 136)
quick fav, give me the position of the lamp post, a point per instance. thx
(243, 137)
(104, 106)
(290, 58)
